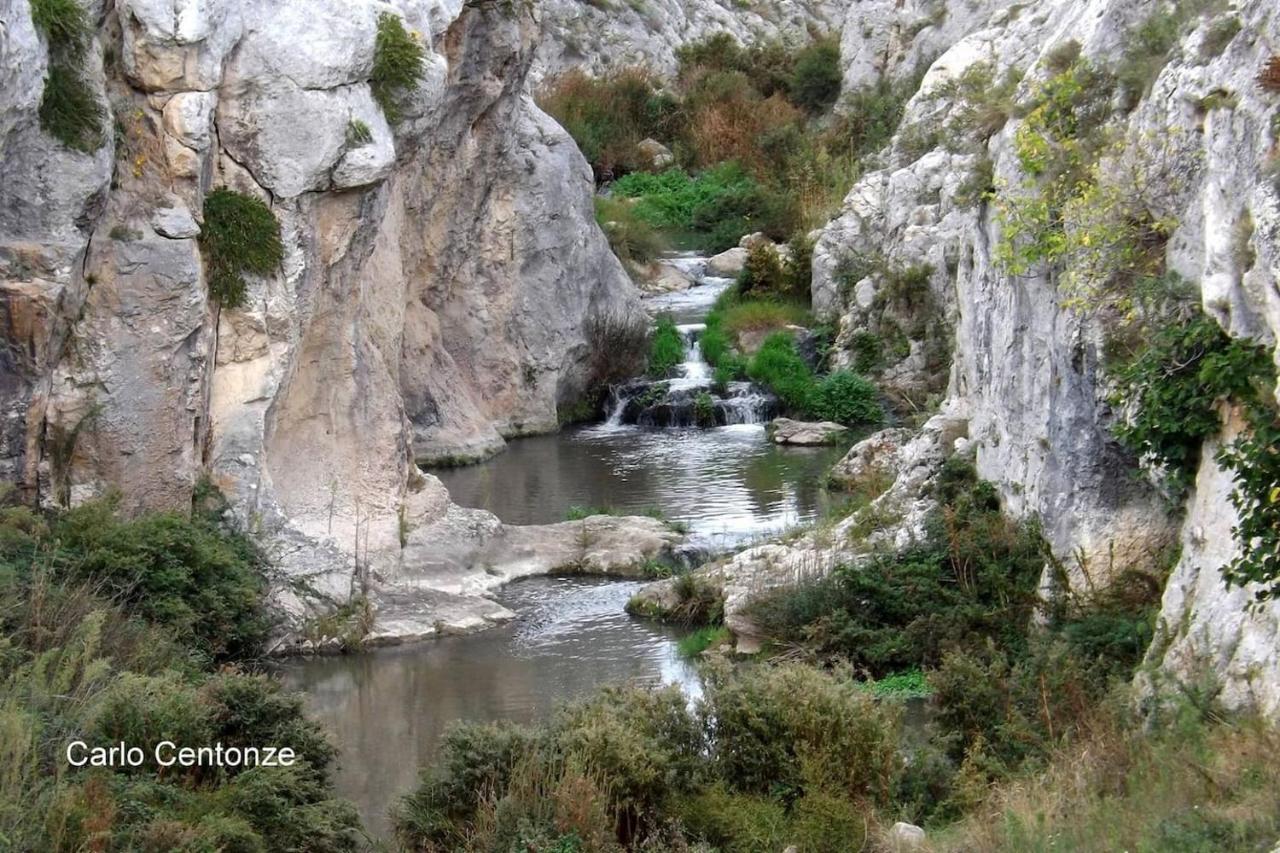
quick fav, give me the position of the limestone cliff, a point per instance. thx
(1026, 361)
(438, 282)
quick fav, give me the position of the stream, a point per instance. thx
(388, 709)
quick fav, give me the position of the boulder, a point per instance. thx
(654, 154)
(805, 433)
(875, 457)
(905, 836)
(663, 277)
(727, 263)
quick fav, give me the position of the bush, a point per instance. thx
(397, 65)
(718, 206)
(240, 235)
(762, 272)
(846, 398)
(182, 572)
(619, 344)
(815, 81)
(666, 348)
(69, 111)
(631, 238)
(974, 579)
(1172, 388)
(795, 728)
(78, 666)
(63, 22)
(608, 116)
(779, 368)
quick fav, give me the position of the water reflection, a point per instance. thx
(729, 483)
(387, 710)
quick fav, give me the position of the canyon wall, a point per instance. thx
(438, 283)
(1026, 357)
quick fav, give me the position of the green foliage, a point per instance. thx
(632, 238)
(69, 110)
(1254, 458)
(358, 133)
(871, 116)
(704, 410)
(179, 571)
(397, 65)
(718, 206)
(666, 348)
(240, 235)
(846, 398)
(974, 579)
(816, 78)
(706, 637)
(987, 103)
(784, 728)
(762, 272)
(773, 754)
(76, 664)
(609, 116)
(1057, 144)
(908, 684)
(778, 367)
(63, 22)
(1172, 387)
(1146, 52)
(1220, 34)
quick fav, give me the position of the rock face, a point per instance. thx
(437, 291)
(1026, 366)
(597, 36)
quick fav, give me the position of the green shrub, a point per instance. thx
(358, 133)
(718, 206)
(704, 410)
(1254, 458)
(630, 237)
(666, 349)
(794, 728)
(240, 235)
(816, 78)
(182, 572)
(397, 65)
(762, 272)
(63, 22)
(779, 368)
(974, 578)
(76, 665)
(608, 116)
(798, 268)
(1173, 386)
(706, 637)
(69, 111)
(846, 398)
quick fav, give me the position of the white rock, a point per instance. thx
(174, 222)
(905, 836)
(188, 117)
(727, 263)
(805, 433)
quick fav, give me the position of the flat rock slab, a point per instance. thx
(805, 433)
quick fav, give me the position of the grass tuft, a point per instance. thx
(240, 235)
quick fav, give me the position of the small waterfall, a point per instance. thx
(689, 398)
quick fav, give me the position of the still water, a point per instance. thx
(386, 710)
(728, 484)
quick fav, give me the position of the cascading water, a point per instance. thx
(690, 398)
